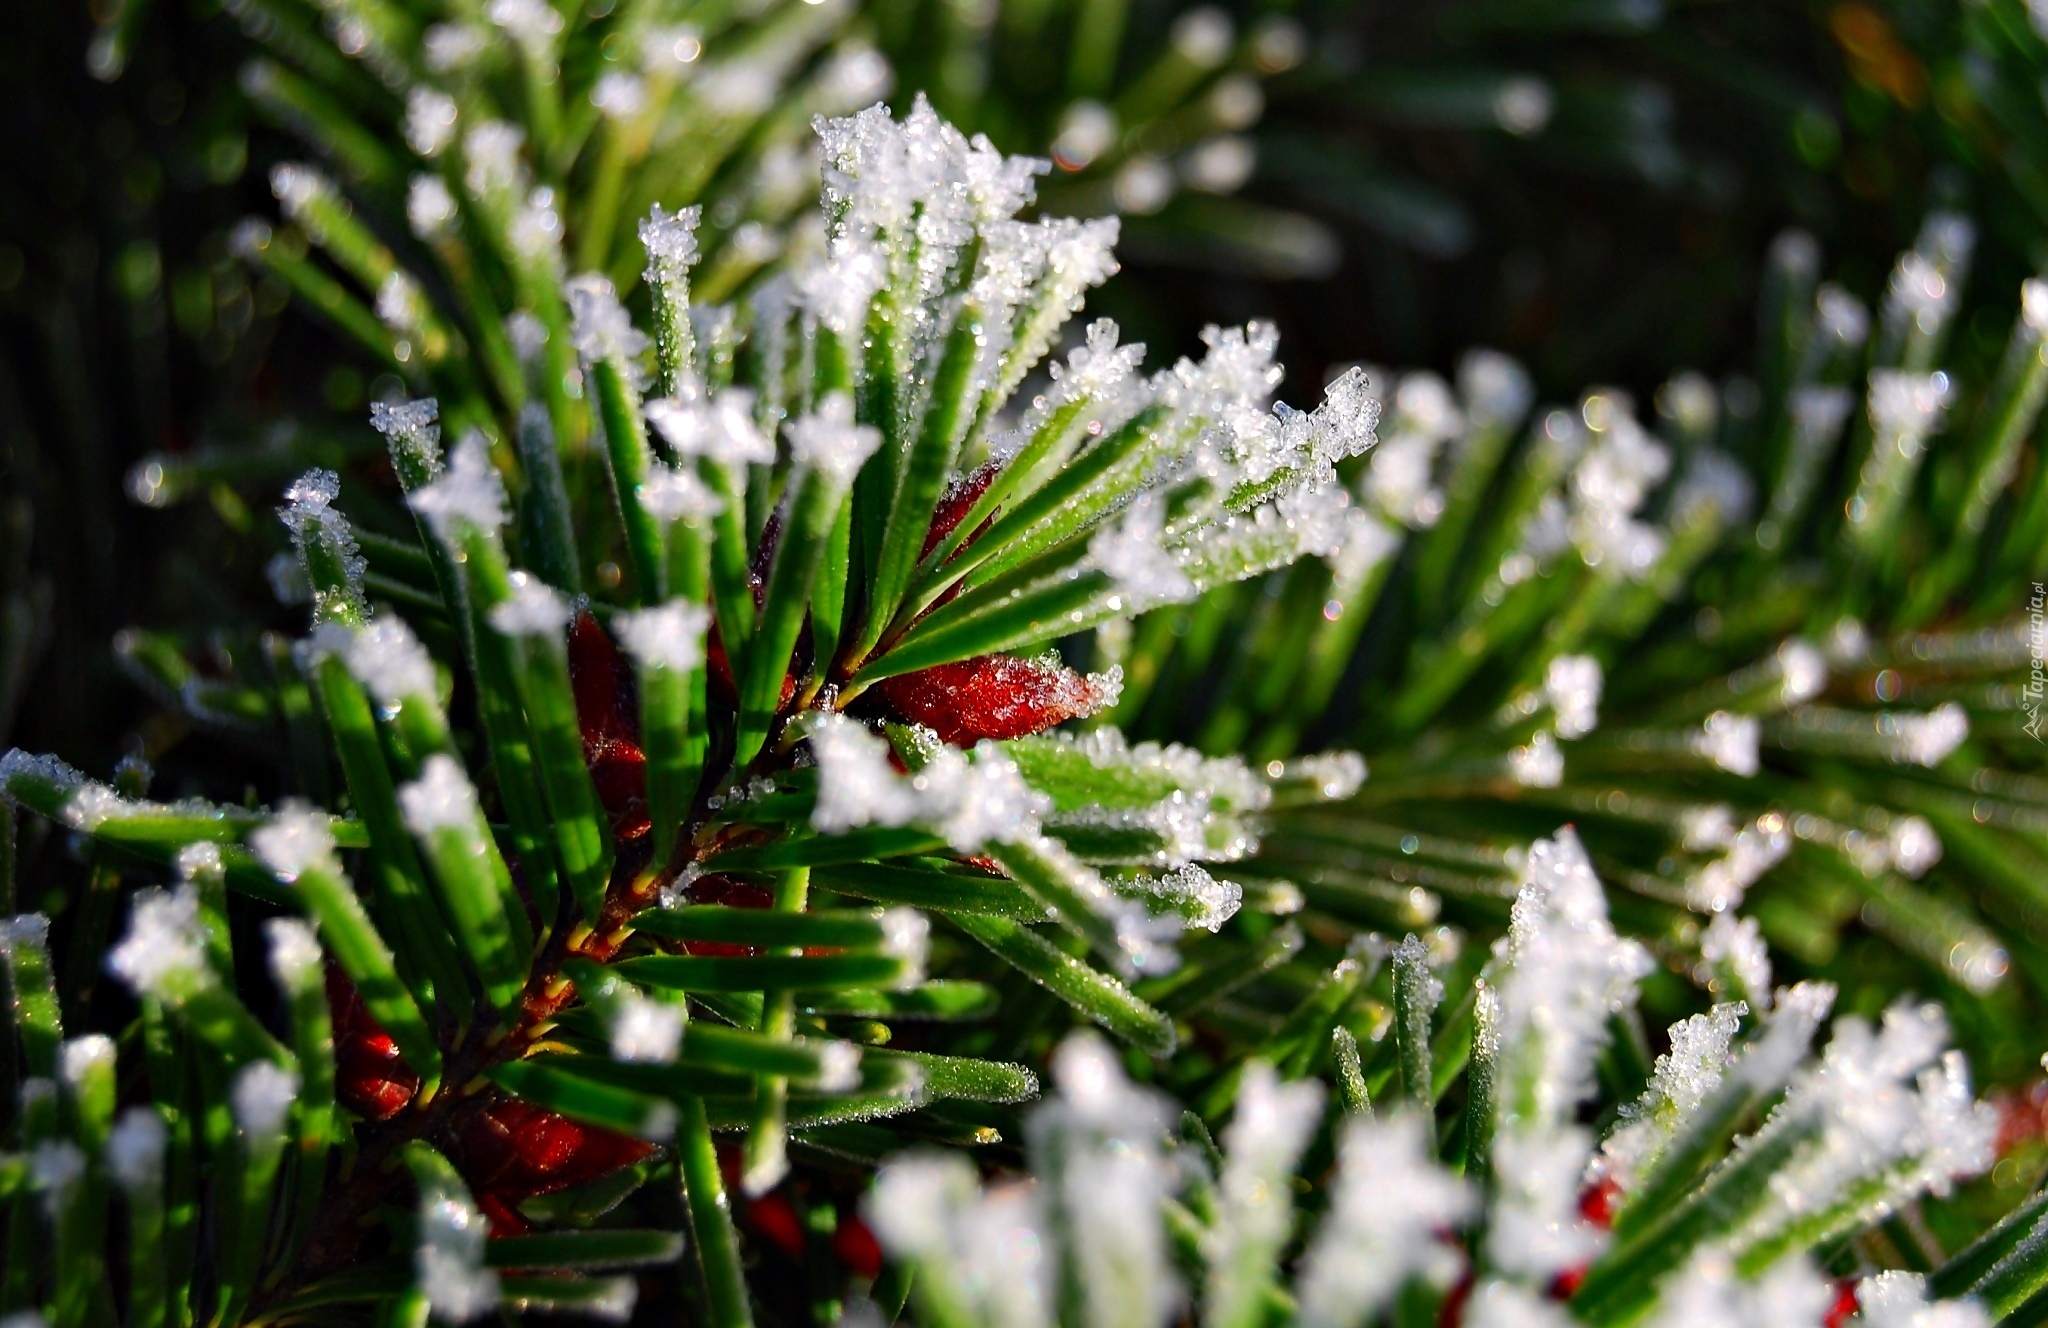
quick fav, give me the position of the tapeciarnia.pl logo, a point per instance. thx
(2037, 650)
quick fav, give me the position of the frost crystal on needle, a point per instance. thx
(320, 533)
(262, 1096)
(450, 1259)
(534, 608)
(442, 798)
(469, 493)
(829, 442)
(164, 953)
(297, 839)
(670, 636)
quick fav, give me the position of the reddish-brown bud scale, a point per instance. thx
(954, 504)
(607, 710)
(511, 1151)
(370, 1078)
(992, 697)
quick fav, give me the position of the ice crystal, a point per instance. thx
(1912, 845)
(1906, 407)
(135, 1149)
(856, 784)
(1201, 900)
(534, 24)
(389, 661)
(906, 936)
(1571, 684)
(1900, 1300)
(430, 208)
(1335, 775)
(1730, 741)
(197, 862)
(1505, 1305)
(429, 120)
(314, 524)
(1143, 573)
(491, 159)
(469, 493)
(1708, 1293)
(643, 1028)
(619, 95)
(442, 798)
(449, 1261)
(601, 329)
(670, 636)
(993, 1249)
(296, 840)
(534, 608)
(1754, 850)
(721, 427)
(1924, 739)
(402, 305)
(828, 441)
(83, 1057)
(262, 1096)
(670, 239)
(163, 955)
(55, 1166)
(1538, 763)
(1735, 947)
(294, 952)
(1681, 1080)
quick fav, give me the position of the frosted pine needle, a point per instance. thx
(449, 1261)
(322, 535)
(1389, 1202)
(1264, 1141)
(1682, 1079)
(1097, 1142)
